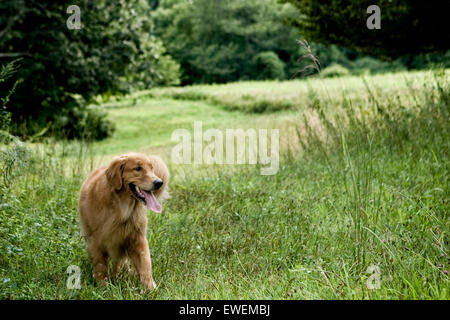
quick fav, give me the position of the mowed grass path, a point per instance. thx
(151, 123)
(366, 196)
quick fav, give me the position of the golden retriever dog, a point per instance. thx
(113, 202)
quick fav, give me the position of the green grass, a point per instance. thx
(269, 96)
(363, 181)
(150, 124)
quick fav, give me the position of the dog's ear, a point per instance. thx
(161, 171)
(114, 172)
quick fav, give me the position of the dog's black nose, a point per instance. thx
(157, 184)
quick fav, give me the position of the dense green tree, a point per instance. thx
(219, 40)
(63, 69)
(408, 27)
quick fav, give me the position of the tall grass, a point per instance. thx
(372, 137)
(364, 183)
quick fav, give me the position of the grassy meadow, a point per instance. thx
(361, 195)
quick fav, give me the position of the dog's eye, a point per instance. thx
(138, 168)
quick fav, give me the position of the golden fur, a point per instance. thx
(113, 220)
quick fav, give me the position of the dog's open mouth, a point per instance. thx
(147, 197)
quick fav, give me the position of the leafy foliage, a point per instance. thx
(7, 72)
(408, 27)
(269, 65)
(222, 41)
(334, 70)
(371, 65)
(112, 52)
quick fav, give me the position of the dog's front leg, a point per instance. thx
(140, 256)
(99, 260)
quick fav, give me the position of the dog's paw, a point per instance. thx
(149, 285)
(103, 282)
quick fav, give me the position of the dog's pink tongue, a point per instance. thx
(151, 202)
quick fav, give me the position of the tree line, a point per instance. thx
(126, 45)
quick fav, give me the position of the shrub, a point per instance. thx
(430, 60)
(84, 122)
(5, 73)
(334, 70)
(372, 65)
(268, 66)
(170, 73)
(14, 158)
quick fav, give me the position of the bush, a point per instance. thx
(84, 122)
(431, 60)
(268, 66)
(14, 158)
(5, 73)
(170, 73)
(372, 65)
(334, 70)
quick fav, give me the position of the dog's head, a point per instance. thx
(143, 177)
